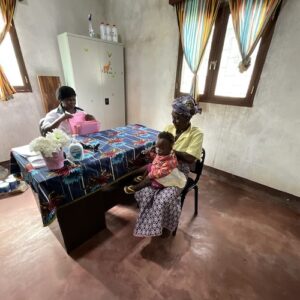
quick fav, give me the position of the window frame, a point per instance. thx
(26, 88)
(215, 55)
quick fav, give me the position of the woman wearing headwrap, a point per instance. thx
(160, 209)
(58, 117)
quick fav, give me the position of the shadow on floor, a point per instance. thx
(166, 252)
(91, 244)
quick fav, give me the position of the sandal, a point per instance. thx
(138, 179)
(129, 189)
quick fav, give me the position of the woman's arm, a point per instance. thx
(49, 127)
(185, 157)
(193, 151)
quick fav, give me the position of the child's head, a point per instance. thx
(164, 143)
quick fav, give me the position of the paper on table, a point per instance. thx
(24, 151)
(37, 161)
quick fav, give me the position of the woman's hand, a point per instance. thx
(89, 117)
(66, 116)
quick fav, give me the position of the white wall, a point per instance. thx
(261, 143)
(150, 33)
(37, 23)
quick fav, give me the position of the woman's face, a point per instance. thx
(180, 122)
(69, 104)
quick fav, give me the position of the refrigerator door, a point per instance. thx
(97, 69)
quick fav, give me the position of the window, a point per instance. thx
(219, 79)
(11, 60)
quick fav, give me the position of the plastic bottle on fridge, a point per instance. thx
(102, 31)
(114, 33)
(91, 30)
(108, 32)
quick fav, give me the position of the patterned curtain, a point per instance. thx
(195, 21)
(250, 18)
(7, 9)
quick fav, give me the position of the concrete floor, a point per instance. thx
(244, 244)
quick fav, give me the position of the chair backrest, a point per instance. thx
(199, 166)
(41, 126)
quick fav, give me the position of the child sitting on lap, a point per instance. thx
(163, 171)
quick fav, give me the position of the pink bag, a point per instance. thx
(80, 126)
(77, 119)
(88, 127)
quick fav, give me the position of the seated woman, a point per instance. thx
(58, 117)
(160, 209)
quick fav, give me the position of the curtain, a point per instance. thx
(195, 21)
(7, 9)
(250, 18)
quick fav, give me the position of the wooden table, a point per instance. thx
(77, 195)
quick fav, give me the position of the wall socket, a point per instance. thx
(106, 101)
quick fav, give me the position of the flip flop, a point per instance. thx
(129, 189)
(138, 179)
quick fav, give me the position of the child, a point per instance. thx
(163, 171)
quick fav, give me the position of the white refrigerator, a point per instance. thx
(95, 69)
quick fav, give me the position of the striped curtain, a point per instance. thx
(250, 18)
(7, 9)
(195, 21)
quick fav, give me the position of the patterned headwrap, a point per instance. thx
(185, 106)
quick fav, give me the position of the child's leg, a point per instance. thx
(145, 173)
(144, 170)
(142, 180)
(156, 184)
(145, 182)
(134, 188)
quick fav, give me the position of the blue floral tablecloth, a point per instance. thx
(112, 154)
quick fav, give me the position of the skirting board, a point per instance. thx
(234, 179)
